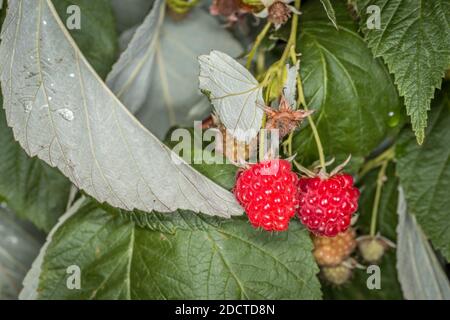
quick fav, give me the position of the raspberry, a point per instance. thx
(373, 248)
(332, 251)
(327, 204)
(337, 275)
(268, 192)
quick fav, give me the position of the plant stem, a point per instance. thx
(376, 203)
(301, 96)
(387, 155)
(257, 43)
(289, 143)
(292, 37)
(261, 138)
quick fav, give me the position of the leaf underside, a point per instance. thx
(235, 94)
(156, 76)
(19, 245)
(419, 271)
(62, 112)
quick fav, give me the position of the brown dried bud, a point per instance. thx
(279, 13)
(284, 119)
(224, 7)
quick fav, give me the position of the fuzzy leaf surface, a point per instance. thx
(179, 256)
(424, 173)
(62, 112)
(414, 41)
(353, 94)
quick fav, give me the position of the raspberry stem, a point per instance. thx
(301, 96)
(376, 203)
(387, 155)
(289, 52)
(257, 43)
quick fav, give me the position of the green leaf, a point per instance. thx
(355, 98)
(387, 223)
(414, 41)
(97, 37)
(34, 190)
(178, 256)
(330, 12)
(425, 174)
(19, 245)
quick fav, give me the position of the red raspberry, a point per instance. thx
(327, 204)
(268, 192)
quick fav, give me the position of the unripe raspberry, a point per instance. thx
(373, 248)
(337, 275)
(332, 251)
(327, 204)
(268, 192)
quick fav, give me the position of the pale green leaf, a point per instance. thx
(19, 245)
(65, 115)
(156, 76)
(420, 274)
(235, 94)
(130, 13)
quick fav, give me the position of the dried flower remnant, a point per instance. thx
(285, 119)
(277, 12)
(232, 10)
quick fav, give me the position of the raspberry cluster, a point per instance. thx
(331, 252)
(268, 192)
(271, 194)
(327, 205)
